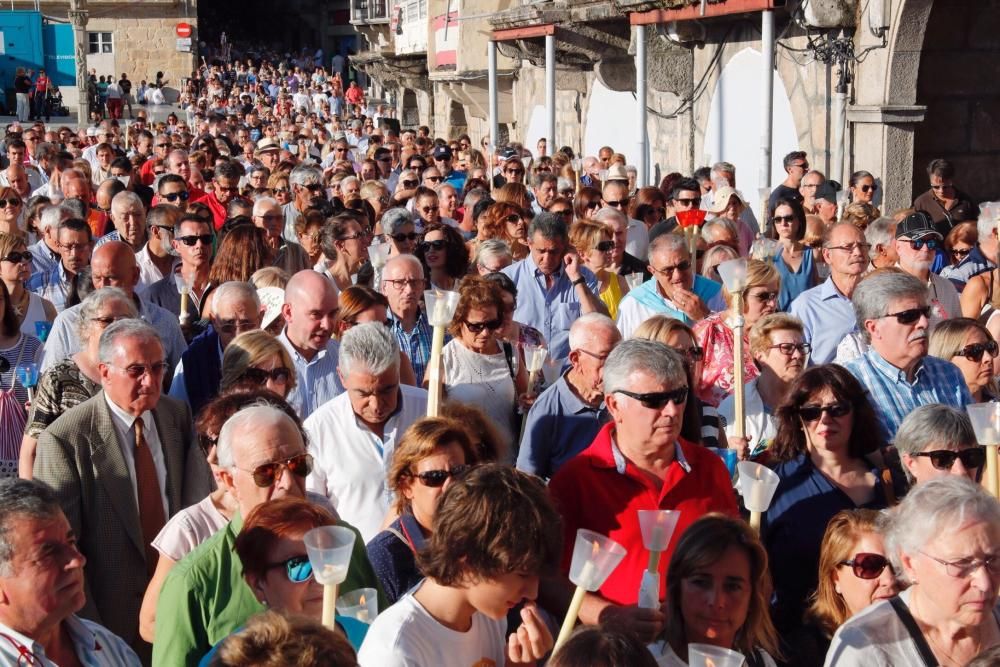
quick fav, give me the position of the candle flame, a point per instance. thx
(362, 602)
(709, 662)
(759, 470)
(596, 550)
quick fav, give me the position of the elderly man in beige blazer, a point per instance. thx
(121, 464)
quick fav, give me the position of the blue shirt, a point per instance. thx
(827, 317)
(53, 285)
(43, 258)
(793, 528)
(113, 235)
(793, 283)
(316, 380)
(456, 179)
(551, 311)
(416, 343)
(894, 397)
(559, 426)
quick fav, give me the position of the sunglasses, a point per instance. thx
(174, 196)
(399, 238)
(961, 253)
(669, 270)
(433, 245)
(656, 400)
(689, 202)
(192, 240)
(437, 478)
(433, 179)
(944, 459)
(13, 203)
(592, 205)
(810, 413)
(25, 256)
(298, 569)
(869, 188)
(918, 244)
(765, 297)
(972, 352)
(515, 172)
(479, 327)
(260, 376)
(694, 353)
(784, 219)
(605, 246)
(911, 315)
(513, 219)
(867, 566)
(233, 190)
(137, 371)
(265, 475)
(619, 203)
(410, 184)
(565, 211)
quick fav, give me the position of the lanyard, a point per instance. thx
(23, 652)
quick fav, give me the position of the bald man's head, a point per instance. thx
(113, 265)
(310, 311)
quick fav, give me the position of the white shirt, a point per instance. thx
(95, 646)
(761, 426)
(123, 422)
(352, 463)
(148, 271)
(405, 635)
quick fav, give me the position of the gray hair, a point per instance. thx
(125, 198)
(94, 302)
(606, 213)
(232, 291)
(257, 414)
(724, 223)
(261, 202)
(445, 186)
(492, 248)
(368, 347)
(723, 167)
(131, 328)
(305, 174)
(551, 227)
(394, 219)
(934, 508)
(22, 499)
(985, 226)
(873, 295)
(52, 215)
(583, 329)
(347, 180)
(668, 243)
(647, 356)
(880, 232)
(934, 424)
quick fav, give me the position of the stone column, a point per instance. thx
(78, 16)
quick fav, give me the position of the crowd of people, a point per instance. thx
(215, 337)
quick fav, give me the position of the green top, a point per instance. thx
(205, 598)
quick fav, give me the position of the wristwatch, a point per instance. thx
(579, 281)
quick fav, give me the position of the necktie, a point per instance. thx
(151, 515)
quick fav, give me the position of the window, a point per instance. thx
(100, 42)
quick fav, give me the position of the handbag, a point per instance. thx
(12, 421)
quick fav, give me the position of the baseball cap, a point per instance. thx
(442, 153)
(827, 191)
(917, 226)
(507, 154)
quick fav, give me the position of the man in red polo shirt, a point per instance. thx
(225, 186)
(638, 462)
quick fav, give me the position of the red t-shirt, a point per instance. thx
(591, 493)
(218, 209)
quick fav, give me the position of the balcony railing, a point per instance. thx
(370, 11)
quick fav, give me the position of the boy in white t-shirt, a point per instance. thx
(495, 532)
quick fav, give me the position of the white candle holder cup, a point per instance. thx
(633, 280)
(551, 370)
(441, 306)
(764, 249)
(360, 604)
(757, 485)
(734, 274)
(595, 557)
(657, 528)
(378, 254)
(534, 357)
(707, 655)
(985, 418)
(329, 549)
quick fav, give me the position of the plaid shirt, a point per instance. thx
(417, 343)
(54, 285)
(894, 397)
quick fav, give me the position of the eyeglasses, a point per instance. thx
(656, 400)
(788, 349)
(206, 239)
(260, 376)
(618, 203)
(944, 459)
(18, 257)
(402, 283)
(74, 247)
(694, 353)
(399, 238)
(804, 166)
(13, 203)
(233, 190)
(961, 253)
(918, 244)
(107, 321)
(174, 196)
(943, 186)
(298, 569)
(479, 327)
(433, 245)
(867, 566)
(437, 478)
(811, 413)
(599, 357)
(975, 351)
(849, 248)
(910, 315)
(765, 297)
(514, 172)
(265, 475)
(669, 270)
(605, 246)
(232, 326)
(868, 188)
(964, 567)
(696, 201)
(783, 219)
(410, 184)
(136, 371)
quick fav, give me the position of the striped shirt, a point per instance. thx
(54, 285)
(893, 396)
(416, 343)
(316, 380)
(95, 646)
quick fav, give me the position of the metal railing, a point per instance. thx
(370, 11)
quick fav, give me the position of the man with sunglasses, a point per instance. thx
(567, 416)
(262, 456)
(943, 202)
(675, 289)
(685, 196)
(938, 440)
(796, 166)
(121, 464)
(157, 258)
(352, 437)
(617, 222)
(225, 186)
(917, 245)
(192, 242)
(443, 161)
(893, 314)
(636, 242)
(645, 390)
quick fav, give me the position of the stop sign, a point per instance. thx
(184, 29)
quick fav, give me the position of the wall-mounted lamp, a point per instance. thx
(878, 17)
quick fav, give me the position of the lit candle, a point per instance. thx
(586, 581)
(363, 611)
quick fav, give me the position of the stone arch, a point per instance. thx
(906, 45)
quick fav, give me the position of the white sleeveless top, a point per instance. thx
(36, 313)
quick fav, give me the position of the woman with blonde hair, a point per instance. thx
(970, 346)
(860, 214)
(854, 572)
(256, 360)
(595, 246)
(15, 269)
(717, 590)
(431, 453)
(11, 210)
(277, 183)
(760, 298)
